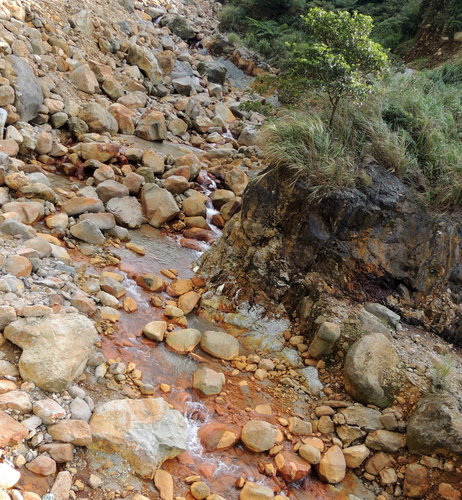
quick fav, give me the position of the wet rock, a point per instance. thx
(121, 426)
(47, 342)
(158, 204)
(199, 490)
(217, 436)
(176, 184)
(220, 344)
(258, 435)
(172, 311)
(183, 341)
(29, 96)
(416, 481)
(164, 483)
(127, 211)
(255, 491)
(88, 231)
(332, 466)
(371, 371)
(435, 426)
(330, 245)
(188, 301)
(13, 432)
(150, 282)
(208, 381)
(310, 453)
(155, 330)
(151, 126)
(383, 440)
(179, 287)
(71, 431)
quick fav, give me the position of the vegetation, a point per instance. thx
(268, 26)
(412, 122)
(338, 57)
(412, 126)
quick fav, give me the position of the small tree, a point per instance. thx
(338, 57)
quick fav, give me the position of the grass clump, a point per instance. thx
(412, 125)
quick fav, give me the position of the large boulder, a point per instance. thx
(159, 205)
(372, 235)
(145, 432)
(372, 374)
(29, 95)
(55, 348)
(435, 426)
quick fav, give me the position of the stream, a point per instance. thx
(242, 394)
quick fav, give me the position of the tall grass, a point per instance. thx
(412, 126)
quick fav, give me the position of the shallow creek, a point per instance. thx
(241, 394)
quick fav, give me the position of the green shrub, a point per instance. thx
(412, 126)
(232, 17)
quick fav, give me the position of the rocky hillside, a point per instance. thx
(283, 370)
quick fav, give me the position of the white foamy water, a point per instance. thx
(196, 415)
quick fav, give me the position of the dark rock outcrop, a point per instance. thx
(365, 241)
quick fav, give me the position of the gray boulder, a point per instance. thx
(55, 348)
(371, 371)
(29, 95)
(146, 432)
(214, 71)
(435, 426)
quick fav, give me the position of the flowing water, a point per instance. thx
(238, 401)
